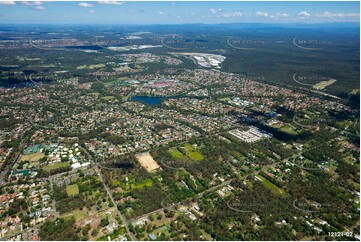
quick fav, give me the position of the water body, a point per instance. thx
(148, 100)
(25, 172)
(154, 100)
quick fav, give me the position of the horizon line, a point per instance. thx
(145, 24)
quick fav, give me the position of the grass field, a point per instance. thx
(72, 190)
(239, 156)
(349, 160)
(324, 84)
(272, 186)
(144, 183)
(225, 99)
(108, 98)
(110, 83)
(77, 214)
(115, 183)
(132, 184)
(192, 152)
(56, 166)
(95, 94)
(163, 229)
(32, 157)
(288, 130)
(176, 154)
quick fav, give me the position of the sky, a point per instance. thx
(176, 12)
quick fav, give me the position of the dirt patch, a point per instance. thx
(147, 161)
(32, 157)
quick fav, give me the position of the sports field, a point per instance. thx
(32, 157)
(108, 98)
(147, 161)
(55, 166)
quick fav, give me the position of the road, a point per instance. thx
(124, 220)
(53, 200)
(6, 171)
(225, 183)
(146, 215)
(18, 150)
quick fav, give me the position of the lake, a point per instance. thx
(148, 100)
(155, 100)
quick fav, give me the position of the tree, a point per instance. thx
(97, 86)
(104, 222)
(94, 232)
(62, 229)
(86, 229)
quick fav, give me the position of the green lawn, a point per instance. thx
(225, 99)
(239, 156)
(77, 214)
(32, 157)
(110, 83)
(176, 154)
(288, 130)
(272, 186)
(55, 166)
(144, 183)
(132, 184)
(115, 183)
(163, 229)
(192, 152)
(94, 94)
(72, 190)
(349, 160)
(108, 98)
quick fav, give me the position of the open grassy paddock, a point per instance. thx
(288, 130)
(56, 166)
(108, 98)
(72, 190)
(32, 157)
(272, 186)
(176, 154)
(192, 152)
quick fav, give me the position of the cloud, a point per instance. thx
(284, 15)
(303, 14)
(41, 8)
(33, 3)
(215, 10)
(262, 14)
(111, 2)
(161, 13)
(91, 11)
(230, 15)
(7, 3)
(86, 5)
(327, 14)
